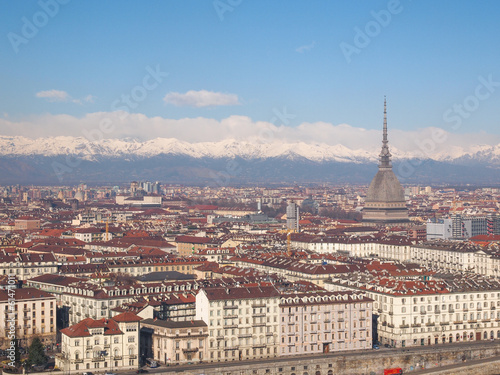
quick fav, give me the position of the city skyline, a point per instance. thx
(241, 70)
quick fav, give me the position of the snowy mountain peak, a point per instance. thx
(228, 148)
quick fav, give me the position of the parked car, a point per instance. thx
(87, 373)
(376, 347)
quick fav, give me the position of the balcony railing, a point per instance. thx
(404, 326)
(258, 305)
(230, 307)
(190, 350)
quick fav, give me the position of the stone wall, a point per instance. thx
(367, 363)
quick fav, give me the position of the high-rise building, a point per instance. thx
(385, 201)
(292, 216)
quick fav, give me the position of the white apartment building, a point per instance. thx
(88, 300)
(323, 322)
(26, 266)
(449, 256)
(100, 345)
(412, 312)
(242, 322)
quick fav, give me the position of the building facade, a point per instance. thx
(33, 314)
(242, 322)
(100, 345)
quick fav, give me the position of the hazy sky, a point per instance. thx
(209, 70)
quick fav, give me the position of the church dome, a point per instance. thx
(385, 187)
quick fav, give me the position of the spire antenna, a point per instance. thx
(385, 155)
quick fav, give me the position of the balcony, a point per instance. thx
(244, 335)
(340, 319)
(430, 324)
(230, 307)
(27, 310)
(258, 315)
(390, 325)
(233, 316)
(255, 305)
(444, 323)
(458, 322)
(391, 313)
(190, 350)
(98, 359)
(471, 321)
(416, 325)
(117, 357)
(80, 360)
(423, 312)
(132, 356)
(451, 311)
(404, 326)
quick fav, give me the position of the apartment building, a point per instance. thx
(323, 322)
(242, 321)
(32, 315)
(26, 266)
(100, 345)
(414, 311)
(170, 342)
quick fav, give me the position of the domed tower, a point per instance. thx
(385, 200)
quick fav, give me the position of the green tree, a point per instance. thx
(36, 355)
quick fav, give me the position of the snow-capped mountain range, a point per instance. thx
(126, 148)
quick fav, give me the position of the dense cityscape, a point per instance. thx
(113, 278)
(233, 187)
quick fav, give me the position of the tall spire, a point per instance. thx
(385, 155)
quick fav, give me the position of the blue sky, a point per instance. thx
(249, 59)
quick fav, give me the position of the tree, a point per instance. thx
(36, 354)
